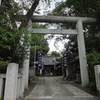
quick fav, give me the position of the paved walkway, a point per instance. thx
(53, 88)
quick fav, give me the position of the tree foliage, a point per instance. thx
(55, 53)
(11, 48)
(11, 38)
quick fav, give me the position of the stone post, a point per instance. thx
(66, 72)
(21, 94)
(11, 82)
(34, 76)
(1, 87)
(0, 2)
(82, 55)
(40, 71)
(31, 73)
(26, 61)
(18, 87)
(26, 73)
(97, 77)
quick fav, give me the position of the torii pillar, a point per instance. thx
(26, 61)
(82, 55)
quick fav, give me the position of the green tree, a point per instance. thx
(11, 38)
(55, 53)
(11, 48)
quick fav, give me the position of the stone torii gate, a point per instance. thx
(79, 21)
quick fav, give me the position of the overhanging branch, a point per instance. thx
(32, 9)
(30, 13)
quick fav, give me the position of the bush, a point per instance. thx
(3, 64)
(93, 59)
(93, 86)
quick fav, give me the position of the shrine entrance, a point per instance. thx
(79, 21)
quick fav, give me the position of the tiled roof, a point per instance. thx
(48, 60)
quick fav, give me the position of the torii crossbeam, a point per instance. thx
(53, 31)
(62, 19)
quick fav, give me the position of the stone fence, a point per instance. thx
(97, 77)
(13, 86)
(2, 77)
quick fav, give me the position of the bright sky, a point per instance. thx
(43, 11)
(59, 45)
(44, 7)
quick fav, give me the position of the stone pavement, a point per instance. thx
(53, 88)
